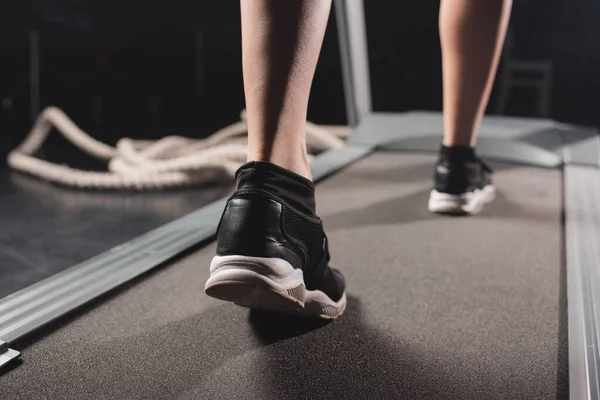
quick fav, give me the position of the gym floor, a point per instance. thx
(46, 229)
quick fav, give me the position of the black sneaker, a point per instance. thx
(272, 251)
(463, 183)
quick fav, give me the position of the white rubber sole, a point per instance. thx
(268, 284)
(466, 203)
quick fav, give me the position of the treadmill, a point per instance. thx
(503, 305)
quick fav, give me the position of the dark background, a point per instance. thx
(146, 69)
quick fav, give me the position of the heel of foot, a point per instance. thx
(320, 305)
(261, 283)
(257, 296)
(466, 203)
(448, 203)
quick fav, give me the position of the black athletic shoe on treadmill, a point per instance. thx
(463, 183)
(272, 252)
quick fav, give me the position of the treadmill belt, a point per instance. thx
(439, 307)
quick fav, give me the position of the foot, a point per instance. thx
(463, 183)
(272, 252)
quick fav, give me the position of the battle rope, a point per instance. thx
(173, 161)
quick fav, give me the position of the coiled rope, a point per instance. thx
(173, 161)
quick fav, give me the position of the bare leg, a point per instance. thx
(271, 248)
(472, 34)
(281, 42)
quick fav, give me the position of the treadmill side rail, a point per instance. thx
(7, 354)
(582, 191)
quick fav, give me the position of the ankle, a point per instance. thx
(296, 163)
(291, 187)
(451, 139)
(458, 153)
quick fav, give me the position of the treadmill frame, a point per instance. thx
(539, 142)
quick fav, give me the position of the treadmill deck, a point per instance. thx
(439, 307)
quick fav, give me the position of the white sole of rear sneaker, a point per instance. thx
(268, 284)
(467, 203)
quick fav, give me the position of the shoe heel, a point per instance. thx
(255, 282)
